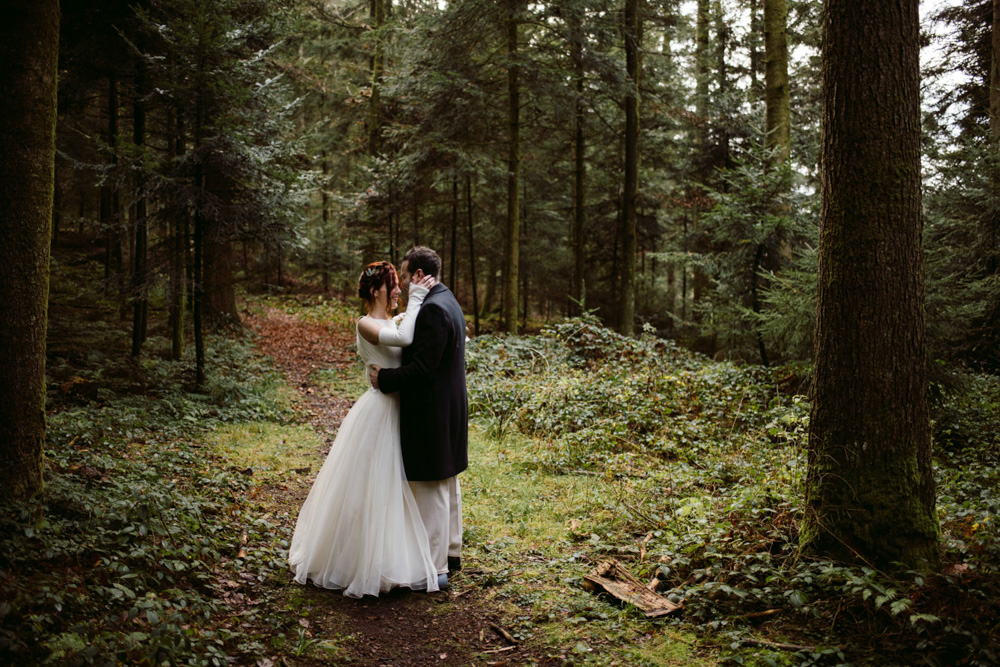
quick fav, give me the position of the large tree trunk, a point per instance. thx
(869, 489)
(626, 317)
(219, 303)
(510, 269)
(219, 283)
(29, 48)
(776, 96)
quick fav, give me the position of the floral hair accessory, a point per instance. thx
(371, 271)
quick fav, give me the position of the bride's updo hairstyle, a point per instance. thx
(373, 277)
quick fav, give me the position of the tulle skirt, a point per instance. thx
(359, 529)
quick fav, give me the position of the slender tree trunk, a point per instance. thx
(631, 33)
(869, 488)
(141, 226)
(778, 132)
(109, 199)
(994, 262)
(995, 77)
(281, 277)
(722, 79)
(577, 303)
(56, 209)
(754, 47)
(472, 254)
(393, 239)
(198, 261)
(416, 221)
(755, 303)
(116, 261)
(701, 77)
(82, 212)
(703, 153)
(378, 65)
(326, 226)
(177, 288)
(776, 96)
(511, 264)
(29, 50)
(454, 232)
(523, 274)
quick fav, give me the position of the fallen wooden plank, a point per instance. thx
(612, 578)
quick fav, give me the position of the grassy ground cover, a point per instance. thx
(691, 472)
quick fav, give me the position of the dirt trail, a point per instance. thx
(403, 628)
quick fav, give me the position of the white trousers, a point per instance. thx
(440, 505)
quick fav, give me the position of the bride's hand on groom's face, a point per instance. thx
(426, 281)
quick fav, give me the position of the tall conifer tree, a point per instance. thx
(869, 488)
(29, 48)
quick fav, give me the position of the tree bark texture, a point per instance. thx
(869, 489)
(29, 47)
(626, 318)
(141, 228)
(579, 170)
(179, 243)
(995, 76)
(776, 96)
(510, 269)
(378, 65)
(701, 78)
(219, 282)
(472, 254)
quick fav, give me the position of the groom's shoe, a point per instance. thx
(442, 581)
(454, 564)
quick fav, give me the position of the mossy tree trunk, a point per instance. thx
(778, 123)
(869, 489)
(631, 34)
(29, 48)
(776, 95)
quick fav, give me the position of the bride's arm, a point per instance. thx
(369, 329)
(403, 336)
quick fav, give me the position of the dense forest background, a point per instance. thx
(294, 142)
(682, 199)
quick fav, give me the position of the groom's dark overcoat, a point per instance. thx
(433, 403)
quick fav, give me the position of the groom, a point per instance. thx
(433, 410)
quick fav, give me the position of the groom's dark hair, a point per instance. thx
(422, 257)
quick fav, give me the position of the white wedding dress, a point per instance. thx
(359, 529)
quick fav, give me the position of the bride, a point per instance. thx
(359, 529)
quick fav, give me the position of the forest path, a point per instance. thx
(454, 627)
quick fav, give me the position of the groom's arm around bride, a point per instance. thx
(433, 407)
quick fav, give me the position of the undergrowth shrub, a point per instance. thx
(125, 557)
(711, 459)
